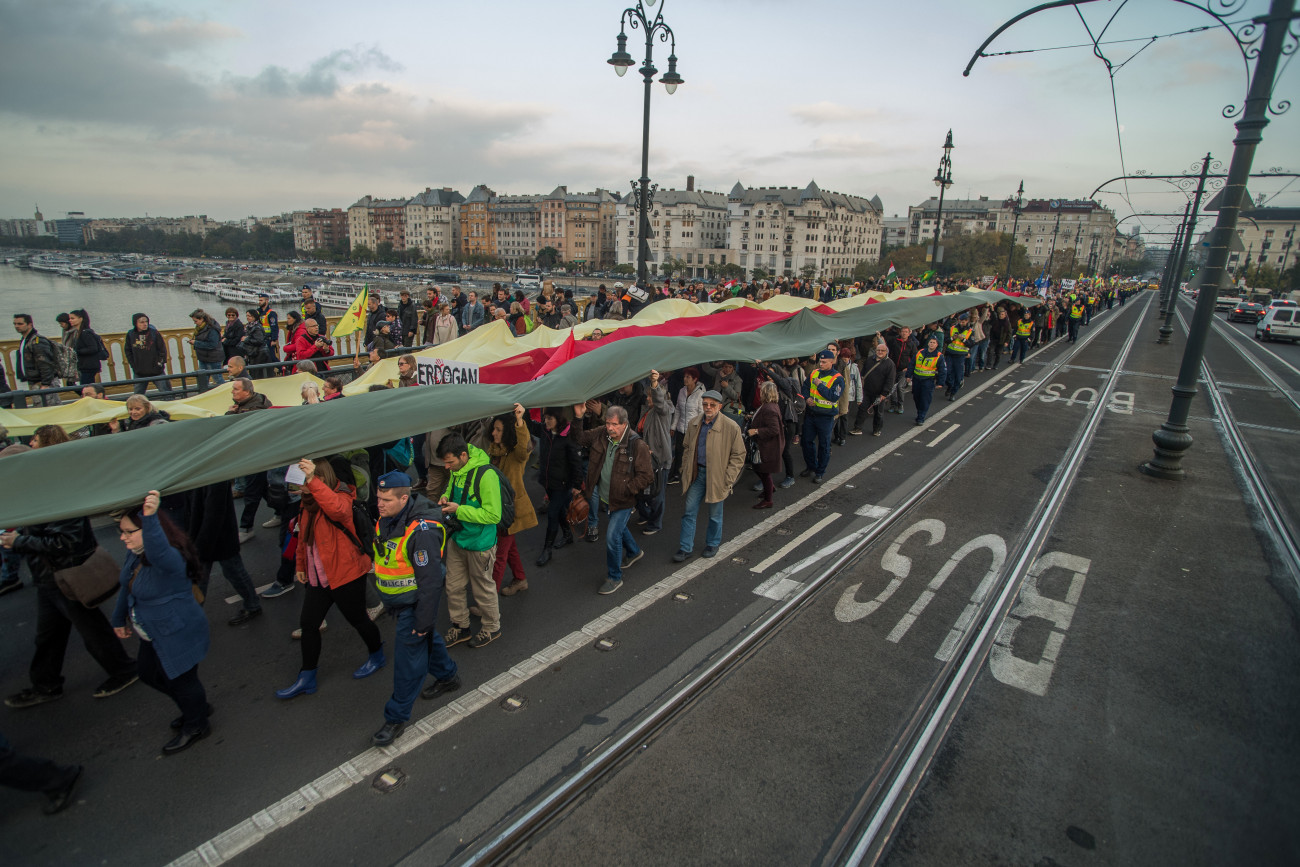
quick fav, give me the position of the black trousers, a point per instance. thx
(184, 689)
(56, 616)
(254, 493)
(557, 507)
(316, 603)
(787, 457)
(867, 408)
(29, 773)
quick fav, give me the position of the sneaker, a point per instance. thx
(277, 589)
(32, 696)
(856, 432)
(675, 480)
(484, 638)
(296, 635)
(788, 482)
(274, 522)
(758, 488)
(875, 433)
(244, 616)
(610, 586)
(593, 534)
(514, 587)
(440, 687)
(628, 561)
(649, 531)
(373, 613)
(680, 556)
(115, 684)
(10, 586)
(709, 551)
(817, 480)
(456, 635)
(245, 535)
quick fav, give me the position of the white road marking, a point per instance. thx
(941, 437)
(778, 588)
(257, 827)
(795, 543)
(873, 512)
(1034, 677)
(848, 609)
(231, 600)
(989, 542)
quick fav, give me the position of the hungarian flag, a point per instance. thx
(892, 272)
(355, 319)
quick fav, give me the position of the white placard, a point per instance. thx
(295, 476)
(441, 371)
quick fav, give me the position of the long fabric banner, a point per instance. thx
(98, 474)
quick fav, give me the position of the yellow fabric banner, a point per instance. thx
(355, 318)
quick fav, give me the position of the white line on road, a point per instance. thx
(941, 437)
(795, 542)
(231, 600)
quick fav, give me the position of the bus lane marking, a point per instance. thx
(1035, 676)
(794, 543)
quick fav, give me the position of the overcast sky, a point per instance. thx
(239, 107)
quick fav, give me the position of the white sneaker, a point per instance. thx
(376, 611)
(274, 522)
(245, 535)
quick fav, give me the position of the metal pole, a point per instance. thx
(1051, 251)
(1166, 276)
(1178, 259)
(1173, 438)
(1020, 201)
(938, 221)
(643, 195)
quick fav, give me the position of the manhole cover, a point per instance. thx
(513, 703)
(387, 780)
(606, 643)
(741, 560)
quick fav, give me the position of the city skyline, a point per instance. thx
(232, 109)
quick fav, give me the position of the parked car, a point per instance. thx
(1280, 323)
(1247, 312)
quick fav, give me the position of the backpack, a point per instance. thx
(65, 359)
(401, 453)
(364, 535)
(102, 353)
(507, 495)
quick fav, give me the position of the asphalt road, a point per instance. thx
(289, 782)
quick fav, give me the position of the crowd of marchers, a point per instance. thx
(444, 517)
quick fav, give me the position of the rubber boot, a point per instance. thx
(566, 535)
(375, 662)
(304, 685)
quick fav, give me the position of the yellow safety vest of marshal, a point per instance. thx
(266, 326)
(926, 365)
(394, 574)
(1024, 327)
(1076, 312)
(814, 395)
(957, 337)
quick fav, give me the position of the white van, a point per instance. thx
(528, 281)
(1280, 323)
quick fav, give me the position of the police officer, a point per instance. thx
(959, 337)
(270, 322)
(930, 367)
(1077, 308)
(409, 543)
(823, 390)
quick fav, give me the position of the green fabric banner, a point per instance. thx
(97, 475)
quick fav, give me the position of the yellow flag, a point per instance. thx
(355, 319)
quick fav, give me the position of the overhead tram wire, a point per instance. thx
(498, 844)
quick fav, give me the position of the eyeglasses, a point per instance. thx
(124, 534)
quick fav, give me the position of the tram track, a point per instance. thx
(1279, 528)
(866, 833)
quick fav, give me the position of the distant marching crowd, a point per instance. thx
(400, 527)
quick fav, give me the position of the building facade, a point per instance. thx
(1080, 233)
(796, 232)
(1268, 238)
(319, 229)
(688, 231)
(432, 224)
(372, 222)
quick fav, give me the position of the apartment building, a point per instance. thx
(786, 230)
(372, 222)
(319, 229)
(432, 224)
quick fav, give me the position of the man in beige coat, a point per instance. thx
(713, 454)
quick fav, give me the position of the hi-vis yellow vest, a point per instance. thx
(814, 396)
(394, 574)
(926, 365)
(1076, 312)
(1023, 327)
(957, 337)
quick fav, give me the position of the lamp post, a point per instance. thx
(1051, 252)
(942, 180)
(637, 17)
(1017, 209)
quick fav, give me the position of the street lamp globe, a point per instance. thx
(620, 59)
(671, 79)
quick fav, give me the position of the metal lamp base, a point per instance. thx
(1171, 441)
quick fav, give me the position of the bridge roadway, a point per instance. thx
(1150, 717)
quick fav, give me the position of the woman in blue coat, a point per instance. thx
(158, 601)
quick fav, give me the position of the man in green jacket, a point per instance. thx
(473, 500)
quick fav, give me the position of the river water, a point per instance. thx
(110, 303)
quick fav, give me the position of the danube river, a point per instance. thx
(110, 303)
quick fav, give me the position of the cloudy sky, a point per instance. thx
(239, 107)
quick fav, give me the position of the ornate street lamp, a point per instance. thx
(942, 180)
(637, 17)
(1018, 209)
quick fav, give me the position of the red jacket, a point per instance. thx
(342, 560)
(301, 348)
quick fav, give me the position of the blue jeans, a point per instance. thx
(203, 380)
(982, 353)
(816, 441)
(618, 539)
(695, 496)
(922, 394)
(593, 508)
(415, 656)
(956, 373)
(162, 382)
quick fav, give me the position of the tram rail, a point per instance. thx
(876, 815)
